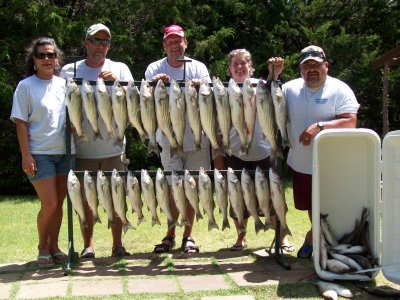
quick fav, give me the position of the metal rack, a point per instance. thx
(278, 254)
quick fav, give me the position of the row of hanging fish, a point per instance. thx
(351, 254)
(208, 110)
(240, 193)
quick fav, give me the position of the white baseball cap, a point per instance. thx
(96, 28)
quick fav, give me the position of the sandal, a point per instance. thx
(288, 248)
(87, 253)
(191, 248)
(167, 243)
(59, 257)
(238, 247)
(119, 251)
(45, 261)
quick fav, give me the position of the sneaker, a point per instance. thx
(305, 251)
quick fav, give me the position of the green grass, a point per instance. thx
(19, 244)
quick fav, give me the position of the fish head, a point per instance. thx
(204, 89)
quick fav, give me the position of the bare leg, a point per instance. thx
(309, 233)
(61, 186)
(47, 192)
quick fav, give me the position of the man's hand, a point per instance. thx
(275, 67)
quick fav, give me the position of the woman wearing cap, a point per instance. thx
(315, 101)
(172, 67)
(39, 114)
(240, 68)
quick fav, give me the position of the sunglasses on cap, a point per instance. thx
(312, 54)
(96, 41)
(49, 55)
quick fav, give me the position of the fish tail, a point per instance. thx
(225, 224)
(110, 223)
(268, 225)
(286, 231)
(258, 225)
(155, 220)
(96, 219)
(198, 216)
(180, 151)
(171, 224)
(197, 146)
(185, 222)
(83, 137)
(97, 135)
(84, 224)
(127, 226)
(228, 150)
(153, 148)
(212, 225)
(141, 219)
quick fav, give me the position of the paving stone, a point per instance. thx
(152, 286)
(5, 290)
(147, 271)
(271, 274)
(98, 273)
(208, 283)
(42, 290)
(237, 297)
(195, 268)
(49, 275)
(14, 267)
(9, 278)
(96, 288)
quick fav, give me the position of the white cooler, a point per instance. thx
(348, 174)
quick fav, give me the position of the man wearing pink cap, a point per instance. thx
(314, 102)
(172, 67)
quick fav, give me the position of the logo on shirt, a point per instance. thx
(320, 100)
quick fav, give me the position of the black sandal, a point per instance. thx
(167, 243)
(189, 248)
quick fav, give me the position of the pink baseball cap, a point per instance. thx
(173, 29)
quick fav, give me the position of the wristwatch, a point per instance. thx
(320, 125)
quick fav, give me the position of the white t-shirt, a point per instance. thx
(194, 70)
(100, 148)
(41, 103)
(260, 148)
(306, 106)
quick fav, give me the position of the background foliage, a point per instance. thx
(353, 34)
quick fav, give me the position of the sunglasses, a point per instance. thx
(312, 54)
(96, 41)
(49, 55)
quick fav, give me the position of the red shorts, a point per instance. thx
(302, 190)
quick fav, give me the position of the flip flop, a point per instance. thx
(237, 247)
(59, 257)
(45, 261)
(288, 248)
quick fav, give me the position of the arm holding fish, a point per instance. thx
(28, 162)
(162, 76)
(345, 120)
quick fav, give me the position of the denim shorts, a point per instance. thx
(49, 166)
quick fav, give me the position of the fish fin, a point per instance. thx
(110, 223)
(127, 226)
(268, 225)
(286, 231)
(197, 146)
(141, 219)
(185, 222)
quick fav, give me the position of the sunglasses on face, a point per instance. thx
(312, 54)
(49, 55)
(96, 41)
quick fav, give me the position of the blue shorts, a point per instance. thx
(49, 166)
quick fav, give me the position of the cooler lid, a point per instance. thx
(391, 206)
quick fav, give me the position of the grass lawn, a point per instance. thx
(19, 242)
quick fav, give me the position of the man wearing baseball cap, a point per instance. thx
(101, 153)
(314, 102)
(166, 69)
